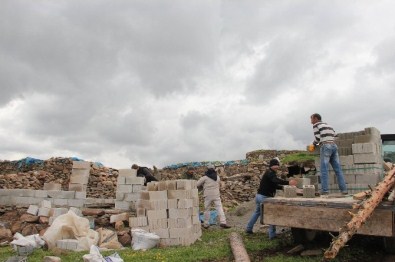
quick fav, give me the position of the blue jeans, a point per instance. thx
(259, 199)
(329, 154)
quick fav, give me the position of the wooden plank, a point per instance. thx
(325, 218)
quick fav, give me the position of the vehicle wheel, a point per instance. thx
(389, 245)
(302, 235)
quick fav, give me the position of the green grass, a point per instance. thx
(214, 246)
(298, 158)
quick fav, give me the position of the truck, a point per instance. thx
(308, 217)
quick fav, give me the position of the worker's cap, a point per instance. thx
(210, 166)
(134, 166)
(274, 162)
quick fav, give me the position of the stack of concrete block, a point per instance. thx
(361, 160)
(79, 176)
(170, 209)
(129, 186)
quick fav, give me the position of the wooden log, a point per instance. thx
(238, 249)
(365, 211)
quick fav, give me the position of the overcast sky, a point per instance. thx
(165, 82)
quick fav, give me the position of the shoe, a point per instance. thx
(273, 238)
(205, 226)
(324, 193)
(344, 193)
(224, 226)
(249, 232)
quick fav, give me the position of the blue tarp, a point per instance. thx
(200, 164)
(213, 217)
(76, 158)
(29, 161)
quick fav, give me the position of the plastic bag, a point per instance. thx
(95, 256)
(144, 240)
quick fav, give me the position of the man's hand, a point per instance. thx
(293, 182)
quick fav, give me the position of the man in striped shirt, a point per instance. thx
(324, 136)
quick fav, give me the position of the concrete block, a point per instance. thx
(41, 193)
(141, 212)
(44, 211)
(172, 203)
(119, 217)
(152, 186)
(366, 139)
(308, 191)
(79, 179)
(369, 179)
(123, 205)
(81, 165)
(162, 186)
(349, 178)
(26, 201)
(157, 195)
(46, 203)
(119, 196)
(179, 194)
(163, 233)
(289, 191)
(367, 159)
(60, 202)
(156, 214)
(136, 188)
(184, 184)
(195, 220)
(33, 210)
(171, 184)
(131, 197)
(181, 213)
(55, 212)
(77, 187)
(61, 194)
(144, 195)
(75, 202)
(157, 204)
(52, 186)
(157, 223)
(67, 244)
(80, 195)
(125, 188)
(134, 180)
(302, 181)
(180, 232)
(185, 203)
(121, 180)
(80, 172)
(138, 221)
(346, 160)
(127, 172)
(143, 203)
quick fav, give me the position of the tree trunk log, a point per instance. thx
(358, 219)
(238, 249)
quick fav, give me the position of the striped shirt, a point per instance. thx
(323, 133)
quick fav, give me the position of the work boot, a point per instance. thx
(224, 226)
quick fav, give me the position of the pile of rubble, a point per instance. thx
(239, 180)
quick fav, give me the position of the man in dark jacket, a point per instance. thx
(270, 182)
(143, 171)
